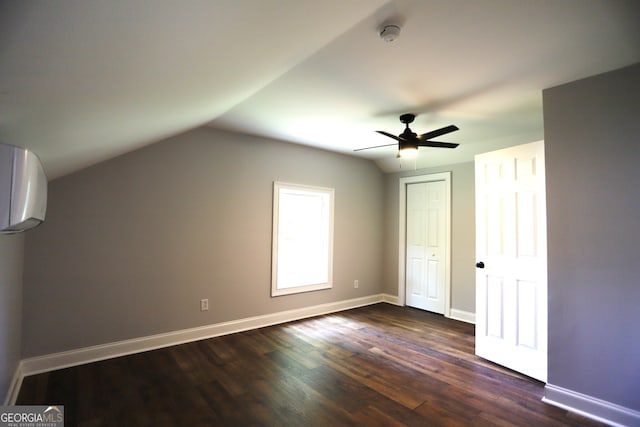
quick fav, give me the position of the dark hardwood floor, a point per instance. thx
(380, 365)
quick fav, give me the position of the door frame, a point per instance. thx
(402, 240)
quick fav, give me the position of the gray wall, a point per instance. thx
(592, 143)
(462, 233)
(130, 246)
(11, 261)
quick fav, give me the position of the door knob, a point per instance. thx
(480, 264)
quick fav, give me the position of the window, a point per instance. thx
(302, 257)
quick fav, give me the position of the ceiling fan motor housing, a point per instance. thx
(408, 134)
(406, 144)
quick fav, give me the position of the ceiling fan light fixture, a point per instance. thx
(407, 149)
(408, 152)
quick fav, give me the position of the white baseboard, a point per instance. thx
(463, 316)
(391, 299)
(455, 314)
(50, 362)
(591, 407)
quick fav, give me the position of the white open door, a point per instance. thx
(511, 250)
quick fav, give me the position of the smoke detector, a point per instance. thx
(390, 32)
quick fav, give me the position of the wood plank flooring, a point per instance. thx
(379, 365)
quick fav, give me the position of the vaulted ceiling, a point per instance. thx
(83, 81)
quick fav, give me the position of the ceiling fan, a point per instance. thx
(409, 141)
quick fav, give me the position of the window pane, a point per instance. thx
(303, 218)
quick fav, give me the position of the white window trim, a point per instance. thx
(307, 287)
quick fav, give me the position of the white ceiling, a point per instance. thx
(83, 81)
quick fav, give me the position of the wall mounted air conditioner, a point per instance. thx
(23, 189)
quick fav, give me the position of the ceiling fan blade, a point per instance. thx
(375, 146)
(438, 132)
(390, 135)
(437, 144)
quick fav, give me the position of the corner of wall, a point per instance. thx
(11, 274)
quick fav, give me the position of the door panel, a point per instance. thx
(433, 279)
(416, 277)
(511, 289)
(527, 314)
(526, 224)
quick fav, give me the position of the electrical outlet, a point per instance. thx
(204, 304)
(356, 284)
